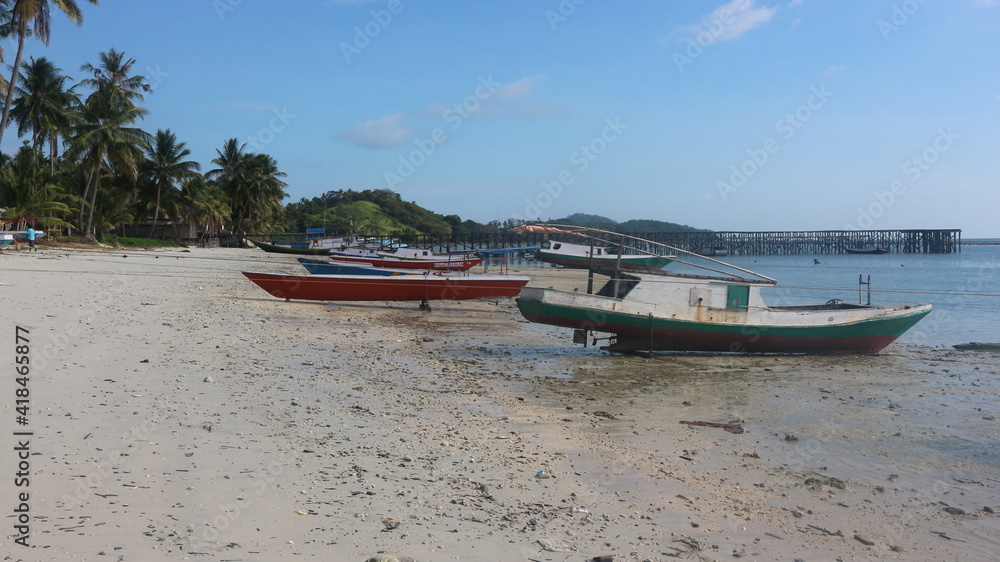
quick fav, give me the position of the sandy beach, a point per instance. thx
(178, 412)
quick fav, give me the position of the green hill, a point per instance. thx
(634, 225)
(378, 211)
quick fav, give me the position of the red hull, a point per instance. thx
(382, 288)
(440, 265)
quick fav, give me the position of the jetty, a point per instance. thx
(732, 243)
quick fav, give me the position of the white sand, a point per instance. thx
(179, 412)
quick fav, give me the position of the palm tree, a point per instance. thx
(28, 190)
(166, 165)
(114, 69)
(43, 105)
(33, 14)
(205, 204)
(252, 183)
(104, 140)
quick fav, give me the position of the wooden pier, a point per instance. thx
(936, 241)
(913, 241)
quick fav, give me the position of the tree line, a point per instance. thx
(87, 166)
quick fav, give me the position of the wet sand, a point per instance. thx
(179, 412)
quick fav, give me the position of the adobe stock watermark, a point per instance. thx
(786, 127)
(913, 169)
(223, 7)
(266, 135)
(155, 77)
(581, 159)
(710, 30)
(562, 13)
(229, 513)
(365, 34)
(455, 116)
(901, 14)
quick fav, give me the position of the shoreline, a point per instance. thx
(205, 418)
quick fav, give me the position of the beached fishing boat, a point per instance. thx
(585, 256)
(721, 310)
(6, 239)
(407, 258)
(282, 249)
(425, 287)
(334, 267)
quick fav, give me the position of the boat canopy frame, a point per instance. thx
(726, 271)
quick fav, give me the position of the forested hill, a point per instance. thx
(383, 211)
(634, 225)
(372, 211)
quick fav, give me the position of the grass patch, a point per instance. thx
(127, 242)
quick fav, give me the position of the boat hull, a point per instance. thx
(383, 288)
(327, 267)
(834, 330)
(628, 263)
(461, 264)
(278, 249)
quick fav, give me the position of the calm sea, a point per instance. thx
(963, 287)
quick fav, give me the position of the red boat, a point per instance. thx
(431, 286)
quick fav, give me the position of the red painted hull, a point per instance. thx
(383, 288)
(440, 265)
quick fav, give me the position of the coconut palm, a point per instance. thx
(43, 106)
(114, 69)
(165, 166)
(32, 16)
(205, 204)
(104, 140)
(27, 190)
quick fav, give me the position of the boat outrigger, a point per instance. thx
(719, 309)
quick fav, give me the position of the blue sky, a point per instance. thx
(740, 115)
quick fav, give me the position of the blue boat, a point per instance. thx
(327, 267)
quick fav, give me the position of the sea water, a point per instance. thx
(964, 287)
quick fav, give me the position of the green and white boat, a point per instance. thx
(719, 311)
(600, 257)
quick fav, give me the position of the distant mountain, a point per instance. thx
(634, 225)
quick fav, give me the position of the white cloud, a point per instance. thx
(489, 99)
(513, 91)
(384, 132)
(730, 21)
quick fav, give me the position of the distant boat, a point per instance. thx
(407, 258)
(867, 250)
(283, 249)
(714, 252)
(578, 256)
(333, 267)
(425, 287)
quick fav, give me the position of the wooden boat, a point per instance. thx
(334, 267)
(426, 287)
(867, 250)
(408, 258)
(578, 256)
(282, 249)
(720, 311)
(6, 239)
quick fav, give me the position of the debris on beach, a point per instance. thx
(977, 346)
(730, 427)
